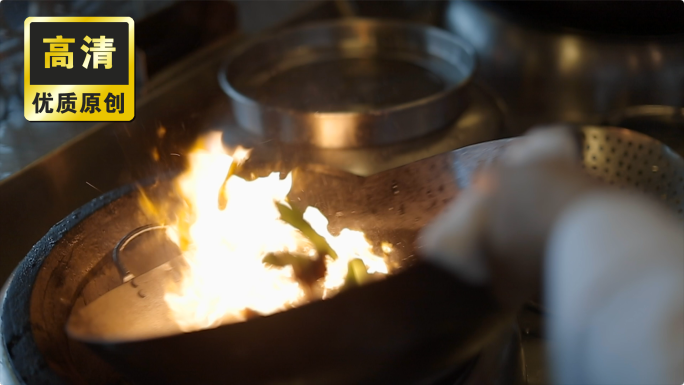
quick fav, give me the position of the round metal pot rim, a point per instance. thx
(432, 101)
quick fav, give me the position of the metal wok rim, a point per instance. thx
(17, 299)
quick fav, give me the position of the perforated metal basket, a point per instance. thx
(618, 156)
(627, 158)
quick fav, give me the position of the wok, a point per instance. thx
(415, 323)
(420, 320)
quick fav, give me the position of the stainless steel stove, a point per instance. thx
(186, 100)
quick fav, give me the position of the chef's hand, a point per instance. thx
(496, 231)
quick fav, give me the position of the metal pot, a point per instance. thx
(574, 61)
(349, 83)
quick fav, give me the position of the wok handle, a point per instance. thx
(126, 275)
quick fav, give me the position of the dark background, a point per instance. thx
(78, 75)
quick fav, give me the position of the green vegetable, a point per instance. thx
(308, 270)
(282, 259)
(295, 218)
(357, 274)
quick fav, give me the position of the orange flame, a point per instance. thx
(223, 248)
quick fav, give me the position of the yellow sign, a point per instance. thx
(65, 82)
